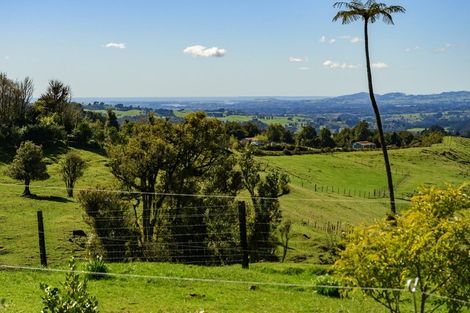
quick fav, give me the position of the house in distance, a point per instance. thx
(363, 145)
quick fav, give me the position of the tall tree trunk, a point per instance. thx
(26, 192)
(70, 189)
(379, 122)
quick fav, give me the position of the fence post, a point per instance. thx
(243, 240)
(42, 242)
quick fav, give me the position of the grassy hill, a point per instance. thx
(351, 179)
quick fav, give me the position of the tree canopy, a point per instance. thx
(28, 165)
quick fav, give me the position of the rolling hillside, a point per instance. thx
(312, 213)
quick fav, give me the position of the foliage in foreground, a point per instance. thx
(430, 241)
(73, 298)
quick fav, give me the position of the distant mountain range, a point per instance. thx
(358, 103)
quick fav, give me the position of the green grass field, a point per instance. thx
(229, 290)
(122, 114)
(309, 210)
(283, 120)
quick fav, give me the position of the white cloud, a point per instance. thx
(446, 47)
(298, 59)
(7, 57)
(412, 49)
(355, 40)
(379, 65)
(115, 45)
(202, 51)
(338, 65)
(351, 39)
(304, 68)
(324, 39)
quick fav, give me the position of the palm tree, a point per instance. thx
(370, 12)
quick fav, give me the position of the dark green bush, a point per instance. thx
(45, 135)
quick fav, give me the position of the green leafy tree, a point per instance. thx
(264, 195)
(406, 137)
(111, 218)
(307, 136)
(369, 12)
(430, 241)
(57, 101)
(72, 168)
(325, 139)
(138, 164)
(111, 119)
(278, 133)
(251, 128)
(72, 298)
(164, 160)
(344, 138)
(15, 97)
(235, 129)
(28, 165)
(361, 131)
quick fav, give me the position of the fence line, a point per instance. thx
(216, 196)
(223, 281)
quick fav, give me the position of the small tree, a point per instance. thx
(28, 165)
(430, 241)
(264, 193)
(72, 168)
(111, 219)
(72, 298)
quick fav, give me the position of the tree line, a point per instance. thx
(323, 138)
(161, 169)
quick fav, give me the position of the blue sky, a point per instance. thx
(231, 48)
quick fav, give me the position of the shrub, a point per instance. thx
(110, 217)
(325, 285)
(96, 265)
(72, 298)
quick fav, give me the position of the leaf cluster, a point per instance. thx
(430, 241)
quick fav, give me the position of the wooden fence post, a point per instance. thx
(42, 242)
(243, 240)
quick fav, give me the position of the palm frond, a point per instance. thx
(395, 9)
(370, 11)
(387, 18)
(347, 17)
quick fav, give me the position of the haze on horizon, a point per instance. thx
(184, 48)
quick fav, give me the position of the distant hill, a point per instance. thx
(400, 111)
(354, 103)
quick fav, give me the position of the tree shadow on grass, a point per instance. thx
(50, 198)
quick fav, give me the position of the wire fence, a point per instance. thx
(186, 234)
(410, 290)
(366, 196)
